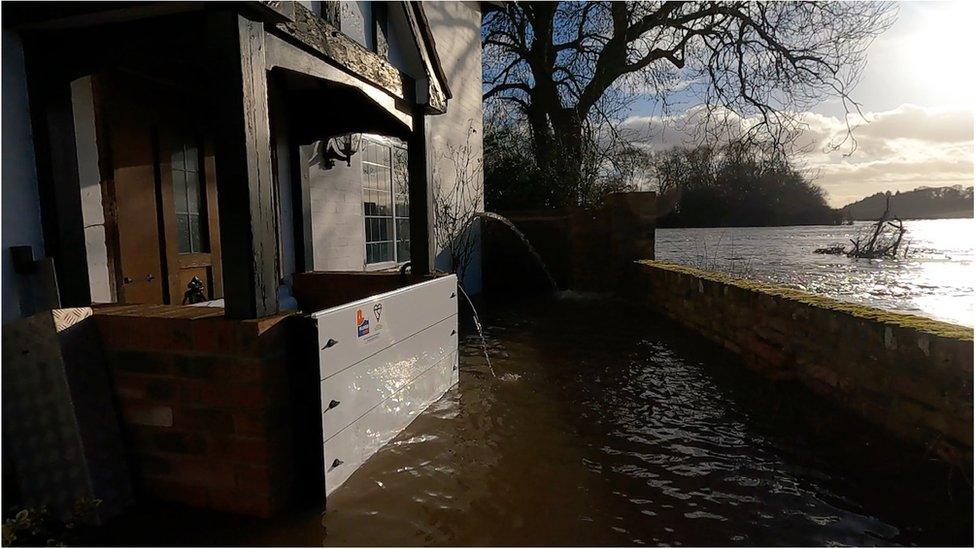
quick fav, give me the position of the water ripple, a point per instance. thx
(622, 433)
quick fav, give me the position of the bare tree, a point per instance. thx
(883, 240)
(458, 197)
(567, 67)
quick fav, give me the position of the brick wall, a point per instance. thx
(910, 375)
(589, 250)
(206, 404)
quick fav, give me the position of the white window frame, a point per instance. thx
(389, 145)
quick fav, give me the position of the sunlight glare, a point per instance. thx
(939, 53)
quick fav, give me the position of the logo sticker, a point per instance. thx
(369, 330)
(362, 325)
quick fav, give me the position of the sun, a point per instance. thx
(939, 52)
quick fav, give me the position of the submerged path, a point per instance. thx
(622, 430)
(619, 430)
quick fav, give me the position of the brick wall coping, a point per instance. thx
(187, 312)
(902, 320)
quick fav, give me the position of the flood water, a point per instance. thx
(619, 429)
(936, 279)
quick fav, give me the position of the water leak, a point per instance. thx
(478, 328)
(528, 245)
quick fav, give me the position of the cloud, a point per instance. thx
(898, 149)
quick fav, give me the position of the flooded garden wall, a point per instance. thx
(910, 375)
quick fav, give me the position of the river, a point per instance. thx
(936, 279)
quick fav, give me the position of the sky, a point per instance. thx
(917, 94)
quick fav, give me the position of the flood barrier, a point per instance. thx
(912, 376)
(382, 361)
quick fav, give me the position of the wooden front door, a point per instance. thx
(189, 198)
(162, 196)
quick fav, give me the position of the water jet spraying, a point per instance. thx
(528, 245)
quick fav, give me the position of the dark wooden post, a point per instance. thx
(59, 190)
(242, 151)
(421, 220)
(302, 208)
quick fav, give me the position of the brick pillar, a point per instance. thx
(205, 404)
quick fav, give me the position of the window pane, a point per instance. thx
(402, 206)
(403, 229)
(188, 200)
(403, 250)
(192, 193)
(196, 233)
(378, 203)
(191, 158)
(183, 233)
(379, 252)
(179, 191)
(178, 158)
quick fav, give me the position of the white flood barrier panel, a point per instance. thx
(382, 361)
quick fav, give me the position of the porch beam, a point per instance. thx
(242, 154)
(421, 220)
(282, 55)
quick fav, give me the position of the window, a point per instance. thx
(386, 203)
(401, 209)
(191, 223)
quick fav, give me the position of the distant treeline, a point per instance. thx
(733, 186)
(702, 186)
(736, 187)
(922, 203)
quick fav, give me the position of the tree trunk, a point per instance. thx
(557, 141)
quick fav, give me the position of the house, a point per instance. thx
(257, 157)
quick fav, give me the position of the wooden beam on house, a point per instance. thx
(311, 31)
(436, 89)
(421, 220)
(245, 182)
(283, 55)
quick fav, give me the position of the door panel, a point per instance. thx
(133, 161)
(189, 210)
(152, 127)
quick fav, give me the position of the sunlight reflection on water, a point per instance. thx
(935, 280)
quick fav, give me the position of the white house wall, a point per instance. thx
(338, 231)
(21, 205)
(456, 27)
(355, 20)
(403, 50)
(336, 194)
(89, 178)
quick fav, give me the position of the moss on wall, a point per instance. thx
(911, 376)
(902, 320)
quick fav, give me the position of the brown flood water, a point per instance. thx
(619, 430)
